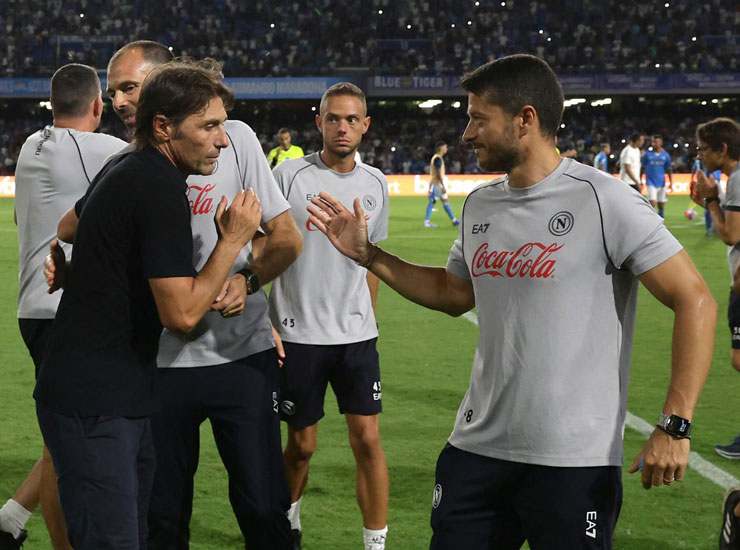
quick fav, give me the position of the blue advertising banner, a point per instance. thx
(441, 86)
(244, 88)
(398, 86)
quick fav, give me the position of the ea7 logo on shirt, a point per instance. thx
(369, 203)
(480, 228)
(531, 260)
(591, 524)
(561, 223)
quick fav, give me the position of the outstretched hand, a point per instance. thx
(346, 230)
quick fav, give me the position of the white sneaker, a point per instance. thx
(427, 223)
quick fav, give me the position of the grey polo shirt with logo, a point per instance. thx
(323, 297)
(554, 269)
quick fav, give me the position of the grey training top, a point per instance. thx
(55, 167)
(323, 298)
(217, 340)
(554, 269)
(732, 203)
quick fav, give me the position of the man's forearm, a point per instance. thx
(693, 344)
(373, 285)
(631, 174)
(183, 301)
(67, 227)
(423, 285)
(278, 250)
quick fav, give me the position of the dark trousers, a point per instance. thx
(105, 466)
(482, 503)
(240, 399)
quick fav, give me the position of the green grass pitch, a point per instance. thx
(426, 358)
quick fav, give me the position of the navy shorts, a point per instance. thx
(481, 503)
(35, 334)
(733, 319)
(353, 370)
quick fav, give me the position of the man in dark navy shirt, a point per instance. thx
(131, 274)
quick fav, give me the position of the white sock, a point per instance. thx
(374, 538)
(13, 518)
(294, 515)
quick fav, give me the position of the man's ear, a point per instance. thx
(161, 129)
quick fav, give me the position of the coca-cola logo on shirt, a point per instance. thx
(200, 200)
(531, 260)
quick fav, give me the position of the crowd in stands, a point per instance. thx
(419, 37)
(402, 136)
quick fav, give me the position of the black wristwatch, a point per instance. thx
(710, 199)
(253, 282)
(675, 426)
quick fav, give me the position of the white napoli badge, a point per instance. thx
(369, 203)
(437, 496)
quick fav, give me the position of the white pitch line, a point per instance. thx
(700, 465)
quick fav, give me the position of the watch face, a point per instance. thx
(676, 425)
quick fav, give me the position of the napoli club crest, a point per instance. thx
(437, 496)
(369, 203)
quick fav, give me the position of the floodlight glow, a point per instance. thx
(429, 103)
(573, 101)
(601, 102)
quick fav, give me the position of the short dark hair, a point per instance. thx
(283, 131)
(657, 136)
(718, 131)
(635, 137)
(153, 52)
(439, 144)
(73, 88)
(514, 81)
(604, 145)
(176, 90)
(343, 88)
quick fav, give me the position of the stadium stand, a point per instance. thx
(431, 37)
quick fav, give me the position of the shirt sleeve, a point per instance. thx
(438, 163)
(634, 234)
(163, 223)
(380, 230)
(732, 195)
(644, 160)
(456, 261)
(258, 176)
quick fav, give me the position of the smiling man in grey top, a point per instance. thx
(551, 255)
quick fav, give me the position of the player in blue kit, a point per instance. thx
(657, 163)
(601, 160)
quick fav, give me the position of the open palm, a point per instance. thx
(346, 230)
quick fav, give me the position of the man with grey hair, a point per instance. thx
(329, 329)
(55, 167)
